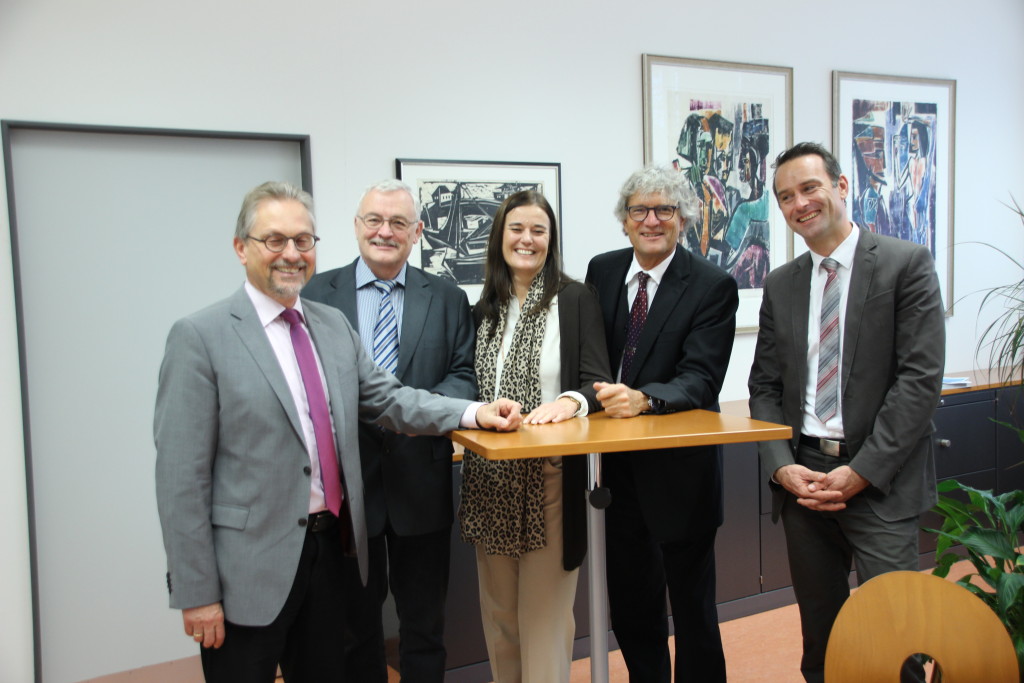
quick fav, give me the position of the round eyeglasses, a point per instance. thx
(277, 243)
(663, 212)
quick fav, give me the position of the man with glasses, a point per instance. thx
(669, 317)
(258, 476)
(407, 479)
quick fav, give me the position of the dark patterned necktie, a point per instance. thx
(826, 399)
(637, 318)
(319, 413)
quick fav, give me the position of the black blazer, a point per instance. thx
(681, 358)
(408, 479)
(584, 360)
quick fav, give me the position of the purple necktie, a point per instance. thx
(637, 318)
(318, 411)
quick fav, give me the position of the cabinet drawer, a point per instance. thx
(965, 439)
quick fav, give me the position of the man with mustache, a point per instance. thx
(407, 480)
(258, 476)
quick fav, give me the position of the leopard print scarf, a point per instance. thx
(502, 505)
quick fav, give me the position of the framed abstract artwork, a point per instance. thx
(458, 200)
(722, 124)
(894, 138)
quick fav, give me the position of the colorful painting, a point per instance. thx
(894, 172)
(723, 149)
(894, 139)
(722, 124)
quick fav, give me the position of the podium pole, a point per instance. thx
(598, 580)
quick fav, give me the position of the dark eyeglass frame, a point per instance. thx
(663, 212)
(375, 222)
(282, 242)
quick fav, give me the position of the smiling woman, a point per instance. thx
(539, 334)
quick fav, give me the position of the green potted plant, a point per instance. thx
(987, 526)
(990, 528)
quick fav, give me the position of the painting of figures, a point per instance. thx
(458, 200)
(722, 124)
(894, 170)
(723, 150)
(894, 139)
(457, 218)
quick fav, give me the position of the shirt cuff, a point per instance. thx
(584, 406)
(468, 420)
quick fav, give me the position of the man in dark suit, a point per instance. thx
(670, 318)
(258, 476)
(859, 397)
(407, 480)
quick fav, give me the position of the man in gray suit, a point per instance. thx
(258, 477)
(407, 480)
(850, 354)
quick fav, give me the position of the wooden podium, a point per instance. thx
(601, 434)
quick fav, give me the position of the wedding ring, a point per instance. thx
(197, 636)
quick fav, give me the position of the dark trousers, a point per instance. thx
(640, 569)
(821, 547)
(303, 638)
(417, 569)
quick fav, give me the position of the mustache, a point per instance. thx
(378, 242)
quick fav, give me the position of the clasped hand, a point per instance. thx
(822, 491)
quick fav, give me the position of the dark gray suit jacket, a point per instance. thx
(893, 358)
(409, 478)
(232, 470)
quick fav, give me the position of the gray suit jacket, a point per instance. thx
(232, 475)
(893, 358)
(409, 478)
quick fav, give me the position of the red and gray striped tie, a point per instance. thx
(826, 397)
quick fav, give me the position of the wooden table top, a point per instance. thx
(601, 434)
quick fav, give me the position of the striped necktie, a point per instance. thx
(385, 332)
(826, 398)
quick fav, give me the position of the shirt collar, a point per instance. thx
(656, 273)
(365, 276)
(267, 308)
(844, 253)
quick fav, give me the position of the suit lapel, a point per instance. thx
(330, 358)
(864, 261)
(344, 295)
(800, 303)
(252, 335)
(670, 292)
(414, 317)
(612, 295)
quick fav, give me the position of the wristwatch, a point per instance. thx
(654, 404)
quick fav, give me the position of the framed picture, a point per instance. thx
(458, 200)
(894, 138)
(722, 124)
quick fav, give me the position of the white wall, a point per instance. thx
(533, 81)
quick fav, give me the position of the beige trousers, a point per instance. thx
(526, 603)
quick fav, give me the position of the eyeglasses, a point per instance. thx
(662, 213)
(276, 243)
(374, 222)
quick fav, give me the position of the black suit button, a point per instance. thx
(308, 470)
(303, 521)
